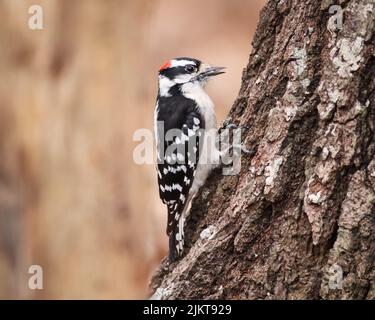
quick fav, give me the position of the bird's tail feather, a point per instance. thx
(176, 240)
(173, 254)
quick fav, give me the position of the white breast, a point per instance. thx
(194, 91)
(209, 156)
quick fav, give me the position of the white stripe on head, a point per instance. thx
(181, 63)
(182, 78)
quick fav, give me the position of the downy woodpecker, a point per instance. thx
(185, 133)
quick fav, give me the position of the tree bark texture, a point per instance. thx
(303, 206)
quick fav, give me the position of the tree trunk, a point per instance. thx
(298, 221)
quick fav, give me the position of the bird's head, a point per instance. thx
(178, 72)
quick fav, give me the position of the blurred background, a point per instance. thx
(72, 200)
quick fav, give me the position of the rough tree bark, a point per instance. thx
(303, 206)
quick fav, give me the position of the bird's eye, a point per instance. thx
(190, 68)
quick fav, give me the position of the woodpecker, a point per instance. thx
(185, 132)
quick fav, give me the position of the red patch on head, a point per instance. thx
(165, 65)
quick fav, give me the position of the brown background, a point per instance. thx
(71, 96)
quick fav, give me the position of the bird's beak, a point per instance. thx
(206, 71)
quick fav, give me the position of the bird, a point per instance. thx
(185, 130)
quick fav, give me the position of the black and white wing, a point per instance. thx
(179, 131)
